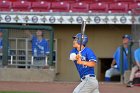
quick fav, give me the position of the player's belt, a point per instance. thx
(87, 76)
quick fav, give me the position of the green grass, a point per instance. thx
(16, 92)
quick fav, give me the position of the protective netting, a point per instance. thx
(21, 52)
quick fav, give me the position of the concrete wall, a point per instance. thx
(29, 75)
(103, 39)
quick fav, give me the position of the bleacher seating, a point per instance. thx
(85, 6)
(5, 6)
(32, 0)
(98, 7)
(88, 1)
(21, 6)
(40, 6)
(79, 7)
(109, 1)
(12, 0)
(118, 8)
(125, 0)
(134, 7)
(60, 7)
(69, 1)
(137, 0)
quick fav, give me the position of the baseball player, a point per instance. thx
(85, 61)
(1, 46)
(40, 48)
(115, 65)
(135, 68)
(1, 40)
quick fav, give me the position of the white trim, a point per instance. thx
(93, 60)
(67, 18)
(82, 49)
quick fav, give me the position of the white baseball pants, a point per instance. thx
(88, 85)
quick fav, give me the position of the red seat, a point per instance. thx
(5, 6)
(87, 1)
(125, 0)
(21, 6)
(40, 6)
(134, 7)
(13, 0)
(109, 1)
(33, 0)
(60, 6)
(79, 7)
(118, 8)
(137, 0)
(70, 1)
(48, 0)
(98, 7)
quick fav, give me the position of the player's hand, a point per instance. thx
(79, 62)
(78, 57)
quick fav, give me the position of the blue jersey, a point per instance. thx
(1, 46)
(87, 55)
(117, 55)
(39, 48)
(0, 43)
(137, 55)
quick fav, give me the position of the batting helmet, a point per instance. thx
(127, 36)
(84, 38)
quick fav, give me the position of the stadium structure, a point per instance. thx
(107, 21)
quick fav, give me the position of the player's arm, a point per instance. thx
(115, 56)
(85, 63)
(113, 63)
(136, 56)
(28, 33)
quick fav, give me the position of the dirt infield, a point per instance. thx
(63, 87)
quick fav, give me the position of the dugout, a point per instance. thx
(7, 28)
(17, 54)
(103, 39)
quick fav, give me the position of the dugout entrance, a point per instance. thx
(11, 52)
(104, 64)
